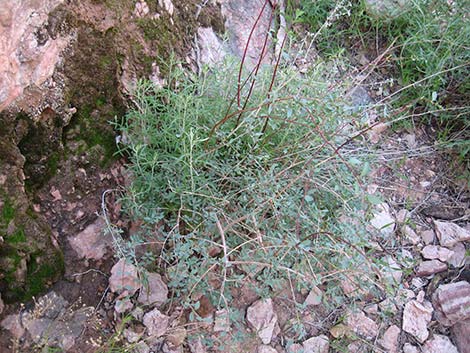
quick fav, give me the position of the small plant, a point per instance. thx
(249, 190)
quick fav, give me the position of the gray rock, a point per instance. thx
(427, 236)
(153, 291)
(123, 305)
(452, 302)
(260, 315)
(12, 324)
(409, 348)
(383, 220)
(266, 349)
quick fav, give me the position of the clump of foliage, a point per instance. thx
(428, 46)
(246, 182)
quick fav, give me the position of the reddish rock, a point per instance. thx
(450, 234)
(390, 339)
(261, 316)
(124, 277)
(439, 344)
(360, 324)
(416, 317)
(156, 323)
(153, 291)
(452, 302)
(433, 252)
(461, 335)
(427, 268)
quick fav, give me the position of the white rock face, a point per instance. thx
(260, 315)
(25, 60)
(124, 277)
(416, 317)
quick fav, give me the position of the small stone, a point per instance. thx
(388, 306)
(177, 336)
(392, 271)
(360, 324)
(439, 344)
(295, 348)
(138, 314)
(2, 305)
(410, 235)
(409, 348)
(427, 268)
(427, 236)
(383, 220)
(131, 336)
(314, 297)
(260, 315)
(418, 282)
(196, 346)
(221, 321)
(433, 252)
(12, 324)
(92, 243)
(141, 9)
(403, 216)
(156, 323)
(450, 234)
(458, 256)
(124, 277)
(416, 317)
(390, 339)
(153, 291)
(266, 349)
(123, 305)
(318, 344)
(372, 309)
(452, 303)
(141, 347)
(339, 331)
(461, 335)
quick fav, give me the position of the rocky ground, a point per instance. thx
(93, 303)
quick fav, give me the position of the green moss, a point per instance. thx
(8, 212)
(17, 237)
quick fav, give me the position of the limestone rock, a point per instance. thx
(124, 277)
(92, 243)
(386, 9)
(427, 236)
(416, 317)
(432, 252)
(439, 344)
(427, 268)
(450, 234)
(156, 323)
(153, 291)
(360, 324)
(409, 348)
(211, 48)
(318, 344)
(260, 315)
(452, 302)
